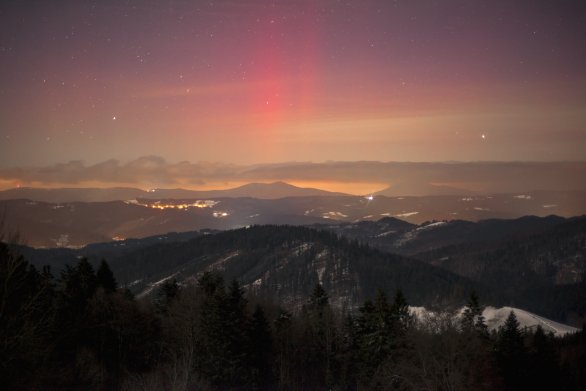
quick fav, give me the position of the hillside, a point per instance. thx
(398, 236)
(283, 263)
(533, 263)
(543, 271)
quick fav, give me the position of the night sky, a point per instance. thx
(250, 81)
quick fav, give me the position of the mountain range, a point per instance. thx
(77, 223)
(280, 240)
(272, 190)
(538, 264)
(283, 263)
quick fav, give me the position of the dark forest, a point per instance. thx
(79, 330)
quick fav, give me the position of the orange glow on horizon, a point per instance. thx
(351, 188)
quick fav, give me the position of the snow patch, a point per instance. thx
(219, 265)
(333, 215)
(135, 282)
(407, 214)
(322, 254)
(407, 237)
(432, 225)
(302, 248)
(320, 274)
(382, 234)
(496, 317)
(523, 197)
(154, 285)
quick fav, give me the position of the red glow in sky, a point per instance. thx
(268, 81)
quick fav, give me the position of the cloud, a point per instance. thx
(144, 170)
(154, 170)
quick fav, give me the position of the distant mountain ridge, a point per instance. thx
(418, 189)
(401, 237)
(76, 224)
(272, 190)
(59, 195)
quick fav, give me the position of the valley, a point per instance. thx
(77, 223)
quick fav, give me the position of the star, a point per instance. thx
(114, 118)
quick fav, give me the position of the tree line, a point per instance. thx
(79, 330)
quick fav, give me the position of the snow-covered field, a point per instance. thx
(496, 317)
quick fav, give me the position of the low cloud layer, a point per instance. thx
(155, 171)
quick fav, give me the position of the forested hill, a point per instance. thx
(81, 331)
(285, 263)
(536, 263)
(543, 272)
(533, 263)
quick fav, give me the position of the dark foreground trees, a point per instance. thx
(80, 331)
(76, 331)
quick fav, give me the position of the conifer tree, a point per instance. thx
(374, 336)
(211, 340)
(106, 278)
(319, 337)
(77, 285)
(511, 353)
(319, 297)
(26, 319)
(84, 278)
(261, 350)
(284, 347)
(235, 325)
(166, 294)
(543, 361)
(401, 316)
(473, 318)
